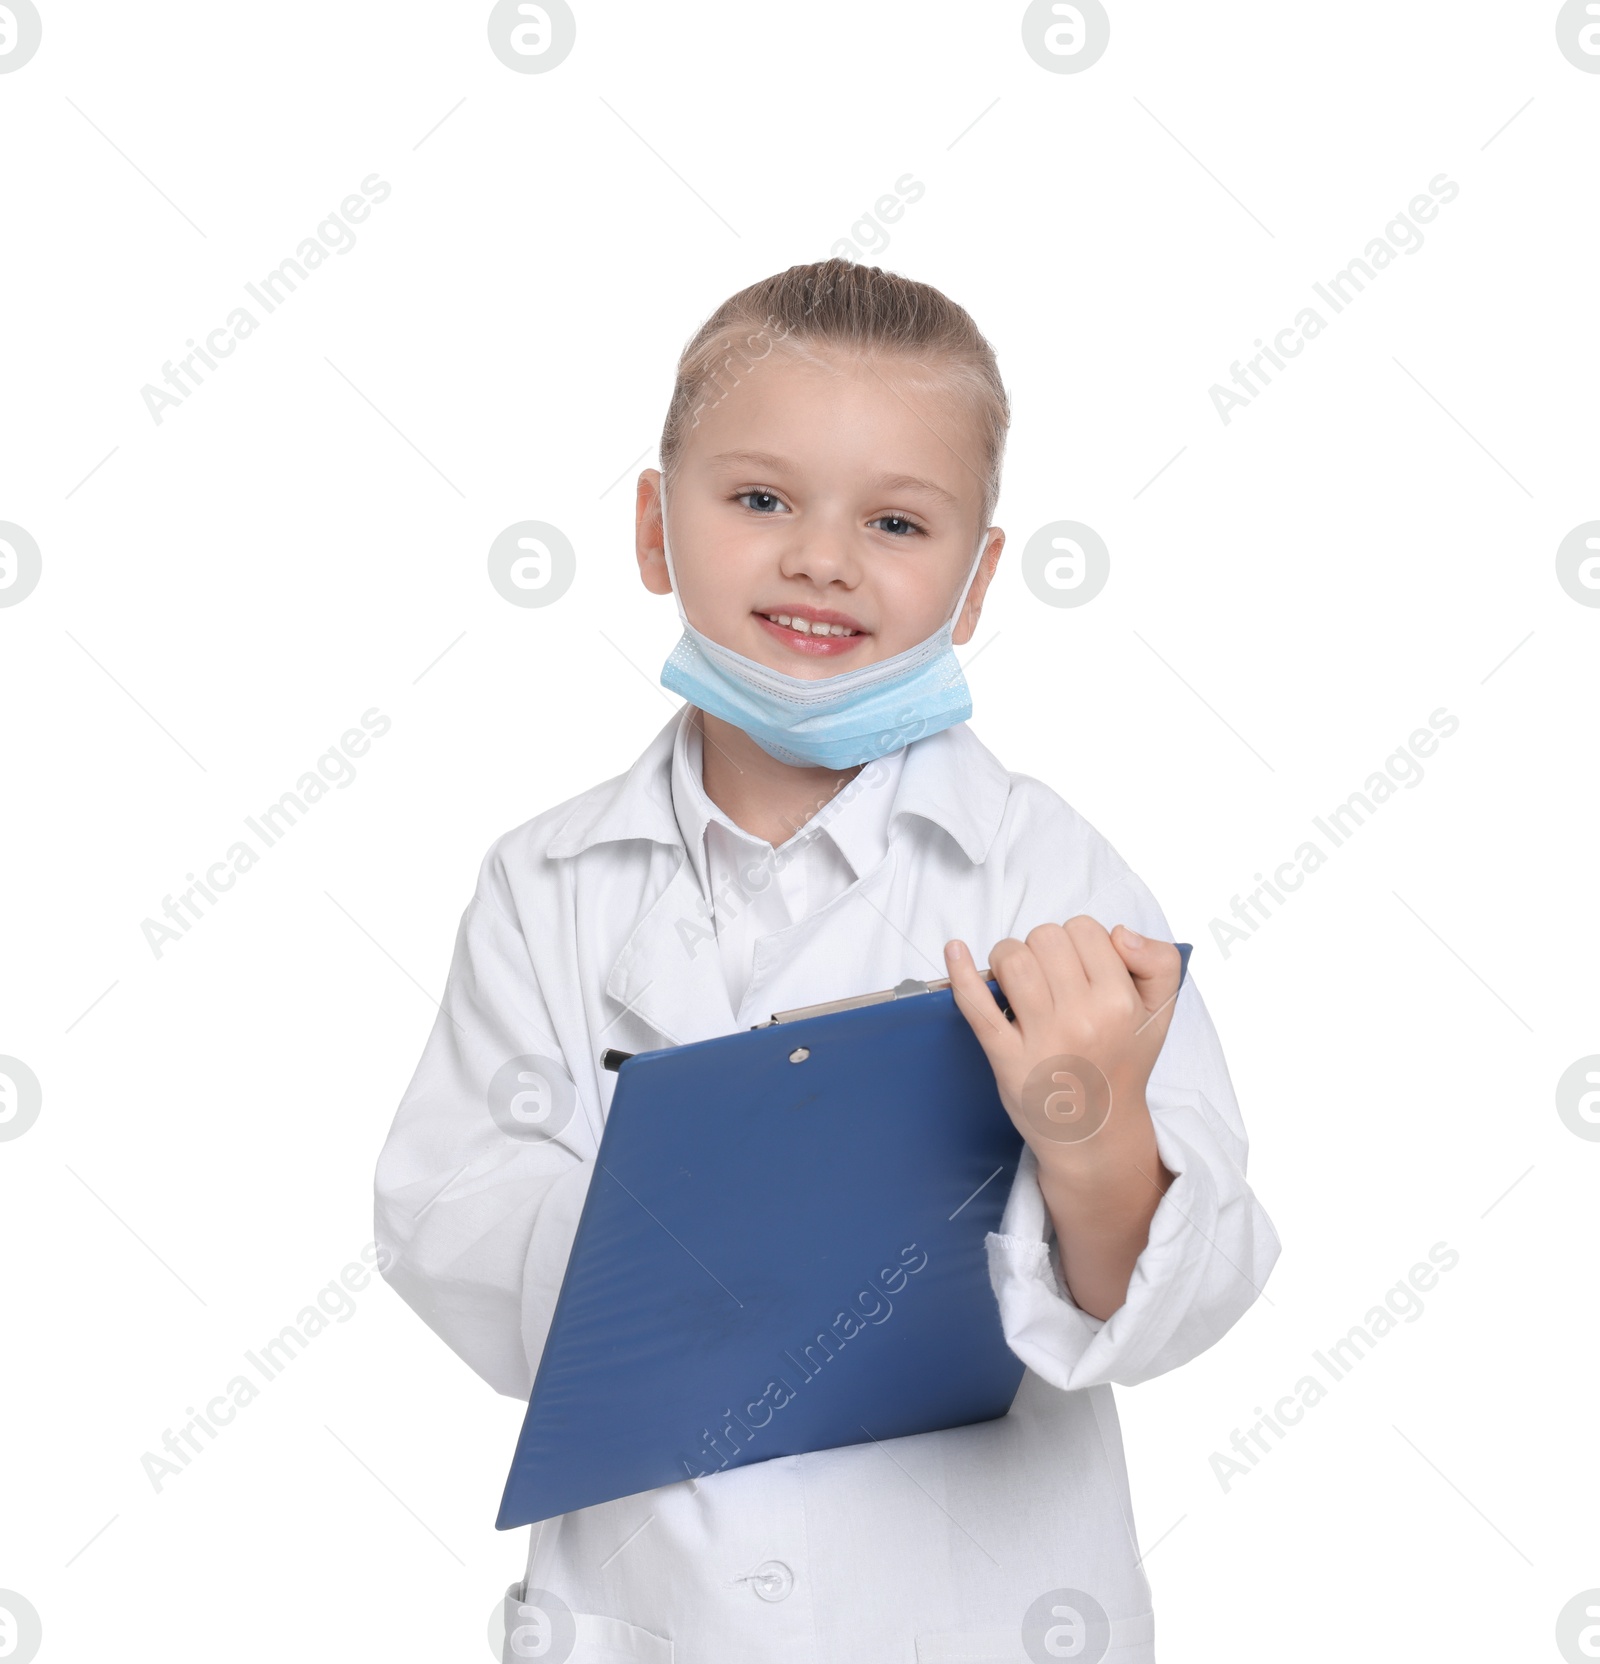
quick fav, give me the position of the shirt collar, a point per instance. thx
(856, 818)
(950, 779)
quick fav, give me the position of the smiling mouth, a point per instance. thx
(806, 627)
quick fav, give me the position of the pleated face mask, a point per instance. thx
(834, 721)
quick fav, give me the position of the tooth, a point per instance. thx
(805, 628)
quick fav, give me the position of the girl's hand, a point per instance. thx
(1091, 1011)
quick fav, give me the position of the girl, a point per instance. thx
(817, 821)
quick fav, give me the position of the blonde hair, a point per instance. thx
(864, 312)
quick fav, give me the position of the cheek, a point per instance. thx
(718, 592)
(912, 606)
(721, 612)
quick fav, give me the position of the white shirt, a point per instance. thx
(752, 888)
(586, 931)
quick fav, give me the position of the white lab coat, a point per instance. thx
(581, 935)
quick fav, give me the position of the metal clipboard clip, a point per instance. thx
(614, 1059)
(899, 992)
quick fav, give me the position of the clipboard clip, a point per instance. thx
(611, 1058)
(900, 991)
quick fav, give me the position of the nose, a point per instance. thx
(824, 555)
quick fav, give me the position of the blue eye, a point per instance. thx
(767, 503)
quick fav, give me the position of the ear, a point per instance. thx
(967, 623)
(649, 548)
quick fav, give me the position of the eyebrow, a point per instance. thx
(886, 482)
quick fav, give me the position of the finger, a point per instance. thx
(1023, 981)
(1156, 967)
(976, 1003)
(1064, 969)
(1103, 965)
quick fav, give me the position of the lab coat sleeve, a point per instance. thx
(1211, 1245)
(474, 1222)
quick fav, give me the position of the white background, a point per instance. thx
(225, 592)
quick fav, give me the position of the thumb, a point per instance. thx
(1156, 967)
(973, 999)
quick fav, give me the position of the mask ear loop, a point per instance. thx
(672, 577)
(972, 572)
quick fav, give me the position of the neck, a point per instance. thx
(769, 799)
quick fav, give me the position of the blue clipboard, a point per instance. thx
(781, 1251)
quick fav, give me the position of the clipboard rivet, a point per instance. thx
(799, 1054)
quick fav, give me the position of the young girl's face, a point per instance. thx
(836, 495)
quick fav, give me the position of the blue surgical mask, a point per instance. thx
(835, 721)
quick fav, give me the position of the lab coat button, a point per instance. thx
(772, 1580)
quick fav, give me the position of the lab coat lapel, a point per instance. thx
(669, 972)
(851, 946)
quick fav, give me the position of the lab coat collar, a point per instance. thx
(950, 779)
(668, 972)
